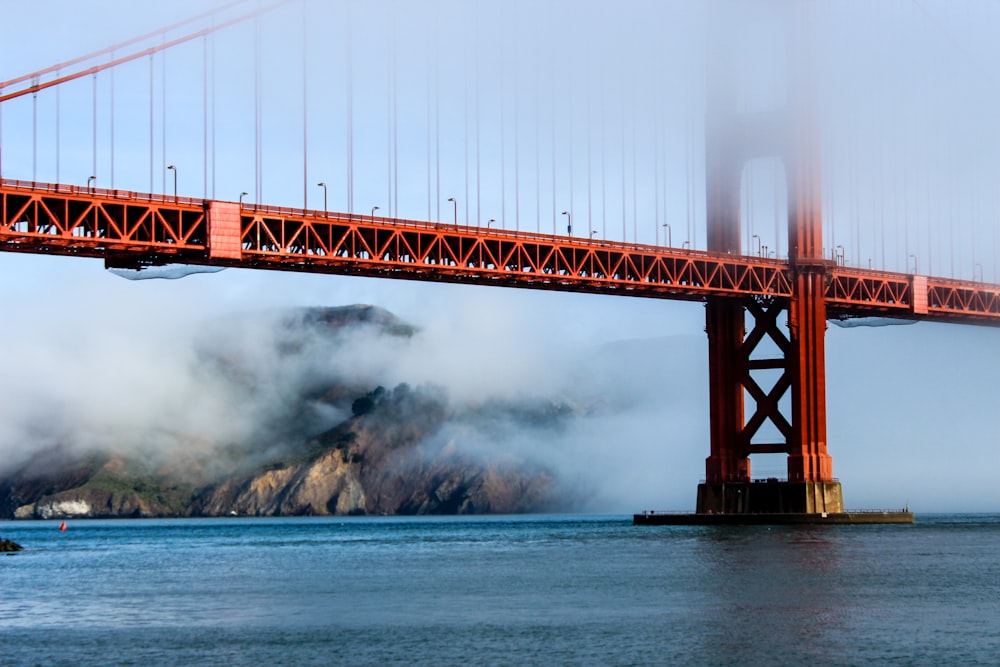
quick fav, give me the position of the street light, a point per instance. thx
(687, 245)
(242, 195)
(569, 223)
(593, 233)
(172, 168)
(757, 236)
(980, 267)
(374, 208)
(490, 222)
(321, 184)
(914, 264)
(670, 235)
(91, 179)
(455, 205)
(839, 255)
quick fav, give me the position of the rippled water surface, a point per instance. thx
(499, 590)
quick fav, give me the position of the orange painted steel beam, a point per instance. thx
(131, 228)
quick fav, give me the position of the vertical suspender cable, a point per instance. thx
(34, 137)
(212, 94)
(604, 168)
(163, 114)
(656, 169)
(590, 190)
(305, 109)
(517, 148)
(58, 133)
(624, 208)
(690, 176)
(479, 209)
(151, 133)
(465, 121)
(395, 120)
(437, 123)
(538, 158)
(349, 78)
(258, 134)
(635, 187)
(204, 117)
(388, 128)
(427, 96)
(111, 103)
(94, 132)
(570, 132)
(552, 135)
(503, 153)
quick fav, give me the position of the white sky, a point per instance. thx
(909, 107)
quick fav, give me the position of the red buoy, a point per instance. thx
(62, 526)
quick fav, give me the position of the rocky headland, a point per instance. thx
(332, 443)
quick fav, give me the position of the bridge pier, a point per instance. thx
(736, 367)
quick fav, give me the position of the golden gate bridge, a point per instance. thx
(746, 284)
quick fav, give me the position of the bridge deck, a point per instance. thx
(135, 229)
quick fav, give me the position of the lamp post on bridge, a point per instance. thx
(375, 208)
(569, 223)
(670, 235)
(838, 255)
(455, 207)
(322, 184)
(490, 222)
(91, 180)
(242, 195)
(757, 236)
(172, 168)
(915, 270)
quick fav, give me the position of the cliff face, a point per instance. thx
(395, 451)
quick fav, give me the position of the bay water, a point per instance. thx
(524, 590)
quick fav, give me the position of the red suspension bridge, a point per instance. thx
(744, 292)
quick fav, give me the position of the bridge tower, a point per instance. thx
(788, 132)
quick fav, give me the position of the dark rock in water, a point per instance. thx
(6, 546)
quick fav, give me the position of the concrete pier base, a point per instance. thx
(771, 502)
(770, 497)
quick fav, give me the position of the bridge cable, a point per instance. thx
(305, 109)
(34, 138)
(111, 123)
(518, 103)
(604, 163)
(58, 132)
(503, 148)
(656, 168)
(465, 122)
(624, 211)
(437, 117)
(478, 68)
(163, 118)
(134, 56)
(257, 110)
(94, 133)
(111, 49)
(635, 186)
(204, 117)
(349, 83)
